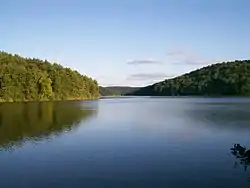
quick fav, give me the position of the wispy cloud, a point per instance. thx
(143, 62)
(193, 62)
(148, 76)
(176, 57)
(180, 57)
(175, 53)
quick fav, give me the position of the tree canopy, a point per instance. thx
(31, 79)
(220, 79)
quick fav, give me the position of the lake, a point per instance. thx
(135, 142)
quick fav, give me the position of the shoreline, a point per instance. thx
(64, 100)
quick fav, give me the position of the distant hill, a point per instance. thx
(105, 92)
(116, 90)
(220, 79)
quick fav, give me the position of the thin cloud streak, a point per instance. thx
(191, 62)
(148, 76)
(186, 58)
(144, 62)
(175, 53)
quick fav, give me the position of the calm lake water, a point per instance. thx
(124, 142)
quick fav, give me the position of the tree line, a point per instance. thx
(31, 79)
(220, 79)
(116, 90)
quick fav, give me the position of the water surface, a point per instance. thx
(124, 142)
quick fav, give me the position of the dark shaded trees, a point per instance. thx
(105, 92)
(117, 90)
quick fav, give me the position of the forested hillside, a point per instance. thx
(27, 79)
(121, 90)
(105, 92)
(116, 90)
(221, 79)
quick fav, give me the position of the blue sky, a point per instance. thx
(127, 42)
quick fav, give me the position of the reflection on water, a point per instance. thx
(221, 116)
(242, 155)
(130, 142)
(20, 122)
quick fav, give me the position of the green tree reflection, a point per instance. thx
(20, 122)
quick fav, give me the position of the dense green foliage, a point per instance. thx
(220, 79)
(117, 90)
(26, 79)
(34, 121)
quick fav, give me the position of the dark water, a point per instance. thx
(129, 142)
